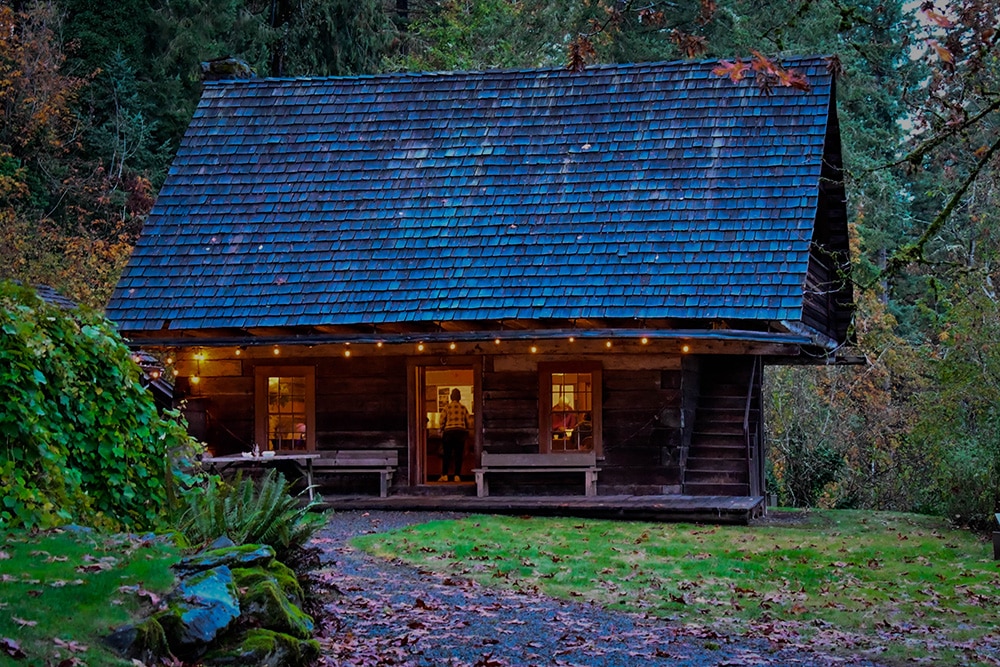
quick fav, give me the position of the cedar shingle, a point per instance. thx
(489, 195)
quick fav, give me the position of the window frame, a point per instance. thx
(261, 375)
(545, 372)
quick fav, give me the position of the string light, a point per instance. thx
(644, 340)
(534, 349)
(378, 344)
(155, 374)
(195, 379)
(169, 361)
(572, 339)
(452, 346)
(607, 344)
(496, 341)
(277, 350)
(420, 347)
(685, 349)
(347, 353)
(176, 372)
(238, 352)
(199, 356)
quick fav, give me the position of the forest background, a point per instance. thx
(96, 95)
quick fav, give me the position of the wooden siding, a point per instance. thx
(827, 305)
(647, 414)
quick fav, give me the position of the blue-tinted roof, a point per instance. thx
(631, 191)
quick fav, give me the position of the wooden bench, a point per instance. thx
(585, 462)
(381, 461)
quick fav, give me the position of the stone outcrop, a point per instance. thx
(232, 605)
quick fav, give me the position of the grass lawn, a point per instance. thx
(898, 588)
(61, 591)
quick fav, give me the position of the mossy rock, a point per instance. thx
(202, 607)
(265, 648)
(264, 600)
(247, 555)
(145, 641)
(285, 577)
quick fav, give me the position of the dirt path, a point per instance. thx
(386, 613)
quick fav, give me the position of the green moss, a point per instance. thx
(246, 555)
(151, 640)
(265, 648)
(270, 607)
(276, 571)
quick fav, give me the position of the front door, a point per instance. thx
(446, 451)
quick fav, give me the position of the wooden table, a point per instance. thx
(221, 463)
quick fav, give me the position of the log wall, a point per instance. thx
(362, 404)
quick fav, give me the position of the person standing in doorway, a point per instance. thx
(454, 431)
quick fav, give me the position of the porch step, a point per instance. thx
(717, 451)
(725, 389)
(718, 428)
(713, 439)
(716, 463)
(716, 489)
(716, 477)
(716, 414)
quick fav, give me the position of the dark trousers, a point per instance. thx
(454, 447)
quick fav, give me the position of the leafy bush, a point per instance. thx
(250, 513)
(80, 438)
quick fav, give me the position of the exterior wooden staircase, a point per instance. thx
(718, 460)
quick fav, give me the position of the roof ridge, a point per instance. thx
(602, 67)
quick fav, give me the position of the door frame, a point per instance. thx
(416, 434)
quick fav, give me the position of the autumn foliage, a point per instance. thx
(64, 219)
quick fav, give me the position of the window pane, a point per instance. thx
(572, 404)
(286, 407)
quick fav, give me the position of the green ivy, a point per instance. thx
(80, 437)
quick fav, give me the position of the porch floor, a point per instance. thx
(670, 508)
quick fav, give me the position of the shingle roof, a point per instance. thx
(646, 191)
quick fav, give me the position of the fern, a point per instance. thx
(250, 513)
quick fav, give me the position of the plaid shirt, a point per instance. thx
(455, 417)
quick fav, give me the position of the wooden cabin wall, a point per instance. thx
(639, 436)
(359, 404)
(220, 405)
(690, 392)
(829, 297)
(648, 409)
(640, 409)
(510, 410)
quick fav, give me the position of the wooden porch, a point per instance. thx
(668, 508)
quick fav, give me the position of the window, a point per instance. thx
(571, 407)
(285, 407)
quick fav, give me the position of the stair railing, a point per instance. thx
(752, 463)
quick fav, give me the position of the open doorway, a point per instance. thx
(442, 441)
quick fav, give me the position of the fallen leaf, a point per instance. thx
(12, 648)
(71, 645)
(23, 623)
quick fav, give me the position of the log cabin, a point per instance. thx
(601, 261)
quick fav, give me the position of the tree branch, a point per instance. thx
(913, 252)
(918, 153)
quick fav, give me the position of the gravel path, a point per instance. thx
(387, 613)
